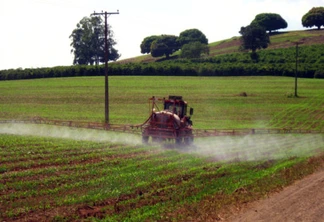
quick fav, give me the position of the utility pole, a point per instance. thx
(106, 64)
(296, 69)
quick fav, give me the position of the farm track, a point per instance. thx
(302, 201)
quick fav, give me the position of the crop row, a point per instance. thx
(143, 182)
(305, 115)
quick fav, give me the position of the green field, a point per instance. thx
(51, 179)
(55, 173)
(216, 100)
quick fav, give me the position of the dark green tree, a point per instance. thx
(88, 42)
(194, 50)
(269, 21)
(314, 17)
(164, 45)
(192, 35)
(147, 42)
(254, 37)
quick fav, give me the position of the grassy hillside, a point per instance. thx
(278, 40)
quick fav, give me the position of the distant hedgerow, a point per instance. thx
(319, 74)
(275, 62)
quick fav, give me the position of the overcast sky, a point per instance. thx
(35, 33)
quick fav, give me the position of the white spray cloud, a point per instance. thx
(69, 133)
(258, 147)
(219, 148)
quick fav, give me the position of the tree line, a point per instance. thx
(275, 62)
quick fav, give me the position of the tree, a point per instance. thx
(254, 37)
(314, 17)
(164, 45)
(192, 35)
(147, 42)
(88, 42)
(194, 50)
(269, 21)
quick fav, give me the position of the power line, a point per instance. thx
(106, 63)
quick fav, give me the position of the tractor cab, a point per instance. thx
(176, 105)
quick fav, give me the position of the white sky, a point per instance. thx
(35, 33)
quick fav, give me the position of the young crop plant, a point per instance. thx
(115, 182)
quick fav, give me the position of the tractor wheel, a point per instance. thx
(178, 140)
(189, 140)
(157, 139)
(145, 139)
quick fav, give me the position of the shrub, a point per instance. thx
(319, 74)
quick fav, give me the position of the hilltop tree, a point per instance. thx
(314, 17)
(254, 37)
(88, 42)
(164, 45)
(147, 42)
(269, 21)
(192, 35)
(194, 50)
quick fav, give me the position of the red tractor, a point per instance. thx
(170, 124)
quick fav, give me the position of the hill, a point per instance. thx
(279, 40)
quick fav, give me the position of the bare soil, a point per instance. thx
(302, 201)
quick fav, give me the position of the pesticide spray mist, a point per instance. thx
(220, 148)
(69, 133)
(259, 147)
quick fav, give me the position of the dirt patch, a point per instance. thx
(302, 201)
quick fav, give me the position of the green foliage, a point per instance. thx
(88, 42)
(319, 74)
(254, 37)
(167, 44)
(59, 71)
(194, 50)
(164, 45)
(314, 17)
(147, 42)
(275, 62)
(269, 21)
(192, 35)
